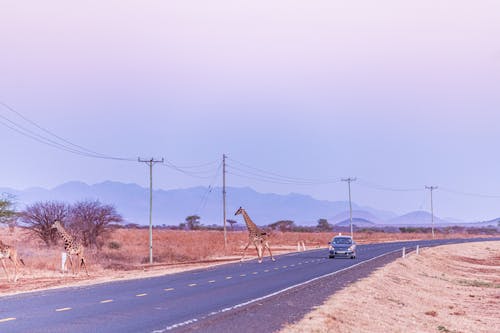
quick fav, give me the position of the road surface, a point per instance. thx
(222, 298)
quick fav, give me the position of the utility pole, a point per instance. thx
(432, 188)
(349, 180)
(150, 162)
(224, 199)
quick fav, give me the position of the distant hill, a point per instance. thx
(361, 215)
(356, 222)
(416, 218)
(171, 207)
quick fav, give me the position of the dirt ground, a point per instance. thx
(452, 288)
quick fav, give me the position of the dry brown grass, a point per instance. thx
(453, 288)
(126, 253)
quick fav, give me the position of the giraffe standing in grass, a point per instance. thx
(9, 252)
(256, 237)
(72, 248)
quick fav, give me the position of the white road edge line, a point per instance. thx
(187, 322)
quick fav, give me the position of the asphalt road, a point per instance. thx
(214, 299)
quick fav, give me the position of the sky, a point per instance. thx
(298, 95)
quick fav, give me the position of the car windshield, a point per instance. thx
(342, 240)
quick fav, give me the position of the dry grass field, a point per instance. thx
(452, 288)
(125, 253)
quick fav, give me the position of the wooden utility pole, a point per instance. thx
(150, 162)
(432, 188)
(349, 180)
(224, 199)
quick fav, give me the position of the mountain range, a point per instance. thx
(171, 207)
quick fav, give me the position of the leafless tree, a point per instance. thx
(40, 216)
(93, 221)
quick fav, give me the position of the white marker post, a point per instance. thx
(404, 252)
(64, 257)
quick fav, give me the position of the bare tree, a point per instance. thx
(93, 221)
(40, 216)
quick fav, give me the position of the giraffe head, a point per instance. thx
(239, 211)
(56, 224)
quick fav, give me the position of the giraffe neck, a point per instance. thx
(68, 240)
(252, 228)
(3, 246)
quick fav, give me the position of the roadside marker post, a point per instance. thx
(404, 252)
(418, 248)
(64, 257)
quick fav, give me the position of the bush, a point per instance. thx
(114, 245)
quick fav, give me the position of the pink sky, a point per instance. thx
(401, 93)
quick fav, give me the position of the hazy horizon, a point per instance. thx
(401, 95)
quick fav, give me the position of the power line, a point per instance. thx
(375, 186)
(204, 198)
(195, 174)
(470, 194)
(53, 139)
(250, 172)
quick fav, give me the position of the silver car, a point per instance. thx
(342, 246)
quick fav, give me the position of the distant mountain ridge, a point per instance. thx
(171, 207)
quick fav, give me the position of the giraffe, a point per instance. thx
(255, 236)
(72, 247)
(9, 252)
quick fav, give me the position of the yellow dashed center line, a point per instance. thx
(254, 273)
(6, 319)
(285, 266)
(192, 285)
(276, 268)
(266, 270)
(243, 275)
(211, 281)
(141, 295)
(168, 289)
(106, 301)
(229, 277)
(63, 309)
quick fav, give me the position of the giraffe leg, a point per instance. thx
(5, 269)
(244, 250)
(13, 258)
(270, 253)
(259, 251)
(84, 265)
(71, 264)
(78, 263)
(81, 262)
